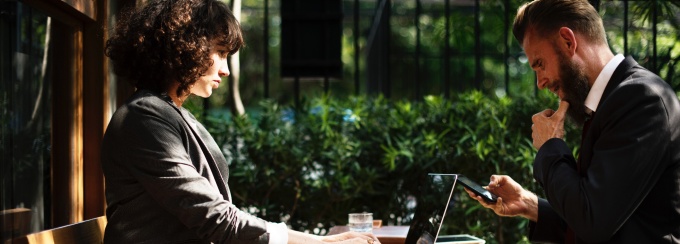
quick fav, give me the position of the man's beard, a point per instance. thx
(574, 84)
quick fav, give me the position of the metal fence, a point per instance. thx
(412, 48)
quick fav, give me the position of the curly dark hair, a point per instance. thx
(169, 40)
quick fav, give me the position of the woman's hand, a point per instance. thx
(513, 200)
(351, 237)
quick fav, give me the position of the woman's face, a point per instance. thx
(212, 78)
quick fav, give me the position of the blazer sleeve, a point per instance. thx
(158, 158)
(631, 134)
(550, 227)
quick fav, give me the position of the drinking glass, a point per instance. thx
(361, 222)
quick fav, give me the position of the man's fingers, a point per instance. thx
(543, 114)
(548, 112)
(500, 210)
(496, 180)
(478, 198)
(562, 110)
(472, 195)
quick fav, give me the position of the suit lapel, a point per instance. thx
(620, 74)
(217, 168)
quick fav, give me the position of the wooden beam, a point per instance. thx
(86, 7)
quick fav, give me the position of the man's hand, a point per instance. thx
(548, 124)
(513, 200)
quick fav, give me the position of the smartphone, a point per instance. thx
(477, 189)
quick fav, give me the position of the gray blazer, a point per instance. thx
(166, 179)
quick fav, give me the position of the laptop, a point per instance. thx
(432, 205)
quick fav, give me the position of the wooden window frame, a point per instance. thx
(79, 112)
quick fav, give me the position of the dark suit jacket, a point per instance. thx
(166, 179)
(628, 186)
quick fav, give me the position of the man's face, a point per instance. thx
(558, 73)
(574, 84)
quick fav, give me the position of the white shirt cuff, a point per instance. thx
(278, 233)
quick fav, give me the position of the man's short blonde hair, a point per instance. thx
(546, 16)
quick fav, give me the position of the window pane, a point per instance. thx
(25, 117)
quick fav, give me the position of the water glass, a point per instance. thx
(361, 222)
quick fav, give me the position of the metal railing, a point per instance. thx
(409, 67)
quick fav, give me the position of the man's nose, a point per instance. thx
(541, 81)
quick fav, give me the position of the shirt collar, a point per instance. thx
(596, 91)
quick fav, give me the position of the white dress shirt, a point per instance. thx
(278, 233)
(601, 82)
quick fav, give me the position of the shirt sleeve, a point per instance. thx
(278, 233)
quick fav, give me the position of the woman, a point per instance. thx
(166, 178)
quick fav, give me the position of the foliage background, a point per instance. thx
(348, 152)
(333, 156)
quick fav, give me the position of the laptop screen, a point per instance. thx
(432, 204)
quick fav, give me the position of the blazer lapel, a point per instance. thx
(619, 75)
(216, 168)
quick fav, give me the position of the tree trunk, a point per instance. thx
(235, 68)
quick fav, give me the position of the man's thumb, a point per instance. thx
(562, 110)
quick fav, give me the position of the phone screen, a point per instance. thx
(477, 189)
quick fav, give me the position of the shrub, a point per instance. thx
(311, 166)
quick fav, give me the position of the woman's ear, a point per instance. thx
(567, 41)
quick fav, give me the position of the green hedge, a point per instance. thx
(311, 166)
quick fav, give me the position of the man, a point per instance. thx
(625, 185)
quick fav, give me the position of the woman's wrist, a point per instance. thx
(301, 237)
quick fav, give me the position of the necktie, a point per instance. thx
(586, 126)
(569, 236)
